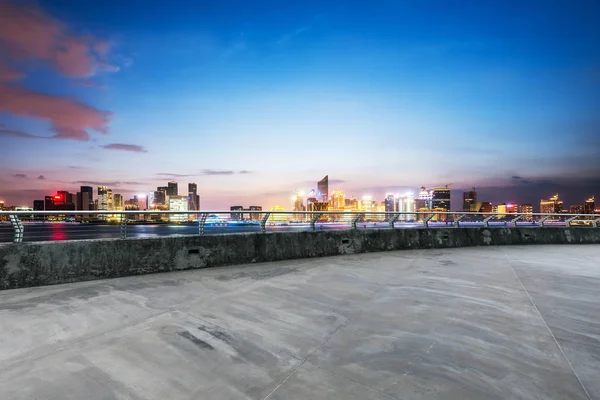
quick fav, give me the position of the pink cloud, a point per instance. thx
(29, 33)
(8, 73)
(69, 118)
(125, 147)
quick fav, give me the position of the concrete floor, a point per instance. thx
(470, 323)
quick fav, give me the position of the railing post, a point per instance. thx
(486, 221)
(313, 220)
(513, 221)
(201, 223)
(17, 228)
(123, 226)
(426, 220)
(393, 220)
(355, 220)
(568, 221)
(595, 222)
(542, 220)
(457, 220)
(263, 223)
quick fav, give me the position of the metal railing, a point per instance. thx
(19, 226)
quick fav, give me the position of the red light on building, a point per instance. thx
(57, 197)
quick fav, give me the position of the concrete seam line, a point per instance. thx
(547, 327)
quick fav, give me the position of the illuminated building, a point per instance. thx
(277, 217)
(381, 209)
(406, 203)
(237, 216)
(158, 198)
(178, 203)
(351, 204)
(588, 206)
(172, 189)
(425, 199)
(298, 206)
(389, 203)
(367, 204)
(576, 209)
(526, 209)
(323, 189)
(551, 206)
(255, 217)
(337, 200)
(482, 207)
(193, 198)
(118, 202)
(469, 198)
(104, 194)
(504, 209)
(1, 206)
(440, 198)
(142, 201)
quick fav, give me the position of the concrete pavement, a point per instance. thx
(518, 322)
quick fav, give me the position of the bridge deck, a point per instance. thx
(468, 323)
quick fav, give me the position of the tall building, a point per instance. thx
(323, 188)
(38, 205)
(469, 198)
(85, 198)
(103, 199)
(526, 209)
(406, 204)
(48, 203)
(237, 216)
(337, 200)
(172, 189)
(255, 217)
(576, 209)
(424, 199)
(158, 198)
(389, 202)
(278, 217)
(178, 203)
(588, 206)
(118, 202)
(505, 209)
(551, 206)
(368, 204)
(440, 198)
(193, 198)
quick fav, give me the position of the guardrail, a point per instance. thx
(69, 225)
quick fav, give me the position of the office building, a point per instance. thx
(193, 198)
(406, 204)
(48, 203)
(118, 202)
(424, 200)
(178, 203)
(504, 209)
(368, 204)
(103, 198)
(337, 200)
(588, 206)
(576, 209)
(277, 217)
(158, 198)
(551, 206)
(323, 189)
(390, 203)
(237, 216)
(253, 216)
(440, 199)
(172, 189)
(38, 205)
(526, 209)
(469, 198)
(351, 204)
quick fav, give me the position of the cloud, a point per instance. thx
(173, 175)
(517, 177)
(106, 183)
(20, 176)
(8, 73)
(288, 36)
(26, 32)
(41, 177)
(4, 130)
(125, 147)
(69, 118)
(76, 167)
(244, 171)
(214, 172)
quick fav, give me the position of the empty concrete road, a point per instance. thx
(465, 323)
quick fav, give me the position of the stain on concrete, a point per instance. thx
(198, 342)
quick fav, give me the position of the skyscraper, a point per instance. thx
(323, 188)
(441, 198)
(469, 198)
(588, 206)
(178, 203)
(424, 200)
(390, 202)
(193, 198)
(118, 202)
(255, 217)
(337, 200)
(551, 206)
(85, 198)
(172, 189)
(237, 216)
(103, 198)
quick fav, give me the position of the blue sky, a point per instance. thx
(382, 96)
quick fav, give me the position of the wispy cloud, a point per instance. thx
(41, 178)
(215, 172)
(76, 167)
(290, 35)
(4, 130)
(173, 175)
(20, 176)
(125, 147)
(245, 171)
(107, 183)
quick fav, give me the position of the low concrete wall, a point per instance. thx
(46, 263)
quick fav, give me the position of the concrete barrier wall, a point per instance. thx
(47, 263)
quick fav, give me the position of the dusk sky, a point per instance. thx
(254, 99)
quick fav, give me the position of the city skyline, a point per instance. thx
(251, 102)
